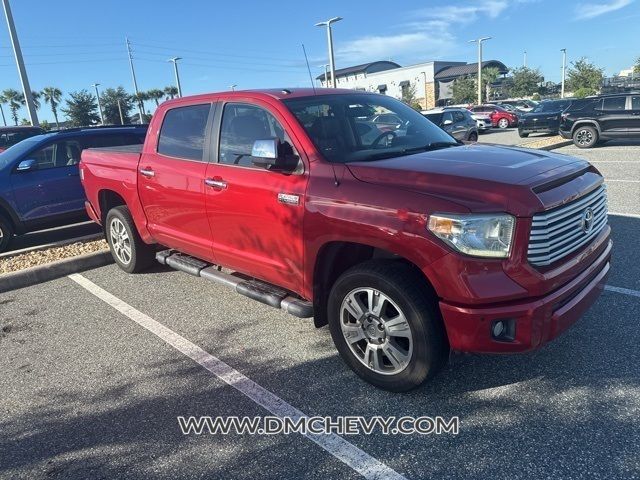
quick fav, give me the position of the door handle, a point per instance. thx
(147, 172)
(210, 182)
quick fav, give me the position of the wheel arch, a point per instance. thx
(10, 215)
(582, 123)
(336, 257)
(108, 199)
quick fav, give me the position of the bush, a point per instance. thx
(536, 97)
(584, 92)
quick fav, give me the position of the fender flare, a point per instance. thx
(581, 123)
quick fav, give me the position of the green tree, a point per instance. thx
(524, 81)
(464, 90)
(171, 91)
(636, 67)
(156, 95)
(583, 92)
(35, 96)
(81, 109)
(489, 75)
(584, 74)
(409, 96)
(109, 99)
(15, 100)
(52, 96)
(45, 125)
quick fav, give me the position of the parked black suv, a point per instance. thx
(544, 118)
(601, 118)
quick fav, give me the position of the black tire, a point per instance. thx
(473, 137)
(6, 233)
(141, 255)
(585, 137)
(523, 135)
(407, 289)
(503, 123)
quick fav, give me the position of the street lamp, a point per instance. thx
(174, 60)
(233, 87)
(330, 46)
(564, 68)
(95, 85)
(479, 42)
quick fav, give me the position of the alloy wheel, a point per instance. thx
(584, 137)
(120, 241)
(376, 330)
(503, 123)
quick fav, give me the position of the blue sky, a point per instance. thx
(72, 44)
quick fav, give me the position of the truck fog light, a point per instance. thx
(504, 330)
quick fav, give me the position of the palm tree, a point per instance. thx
(53, 96)
(155, 94)
(36, 99)
(140, 98)
(15, 100)
(489, 75)
(171, 91)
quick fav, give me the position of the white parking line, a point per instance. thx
(624, 291)
(609, 180)
(337, 446)
(620, 214)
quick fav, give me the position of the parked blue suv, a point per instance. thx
(39, 179)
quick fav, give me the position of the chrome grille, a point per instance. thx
(558, 232)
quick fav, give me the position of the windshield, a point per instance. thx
(13, 153)
(550, 107)
(364, 127)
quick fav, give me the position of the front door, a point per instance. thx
(613, 115)
(255, 214)
(171, 182)
(53, 188)
(634, 119)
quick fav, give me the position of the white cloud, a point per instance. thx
(592, 10)
(428, 33)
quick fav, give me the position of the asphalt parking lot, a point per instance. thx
(87, 392)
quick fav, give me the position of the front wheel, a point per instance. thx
(6, 233)
(585, 137)
(473, 137)
(503, 123)
(127, 248)
(385, 326)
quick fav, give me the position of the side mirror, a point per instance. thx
(27, 165)
(271, 154)
(447, 122)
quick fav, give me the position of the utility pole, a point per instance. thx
(95, 85)
(479, 42)
(26, 89)
(4, 120)
(135, 83)
(330, 46)
(524, 63)
(564, 68)
(174, 60)
(120, 112)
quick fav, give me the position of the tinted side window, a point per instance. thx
(635, 102)
(183, 130)
(458, 117)
(242, 125)
(614, 103)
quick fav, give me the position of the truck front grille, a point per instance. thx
(561, 231)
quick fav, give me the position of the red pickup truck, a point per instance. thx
(407, 243)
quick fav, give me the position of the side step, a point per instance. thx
(255, 289)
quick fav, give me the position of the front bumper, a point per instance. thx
(537, 321)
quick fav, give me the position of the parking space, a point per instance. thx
(508, 136)
(88, 392)
(52, 235)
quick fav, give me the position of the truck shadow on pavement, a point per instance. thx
(572, 406)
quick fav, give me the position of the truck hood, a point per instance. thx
(479, 177)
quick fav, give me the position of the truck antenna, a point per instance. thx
(304, 50)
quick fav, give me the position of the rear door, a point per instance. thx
(171, 181)
(459, 127)
(255, 214)
(613, 115)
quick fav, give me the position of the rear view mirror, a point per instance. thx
(272, 154)
(447, 122)
(27, 165)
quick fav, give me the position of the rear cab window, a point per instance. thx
(183, 132)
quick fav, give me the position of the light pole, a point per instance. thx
(174, 60)
(326, 74)
(479, 42)
(524, 62)
(95, 85)
(135, 82)
(233, 87)
(330, 46)
(26, 89)
(4, 120)
(564, 67)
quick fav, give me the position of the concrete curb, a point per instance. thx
(556, 145)
(46, 246)
(53, 270)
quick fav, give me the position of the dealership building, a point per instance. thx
(432, 80)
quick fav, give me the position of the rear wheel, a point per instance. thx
(473, 137)
(503, 123)
(127, 248)
(385, 326)
(585, 137)
(6, 233)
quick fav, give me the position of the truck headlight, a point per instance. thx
(480, 235)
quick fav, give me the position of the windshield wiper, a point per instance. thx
(430, 146)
